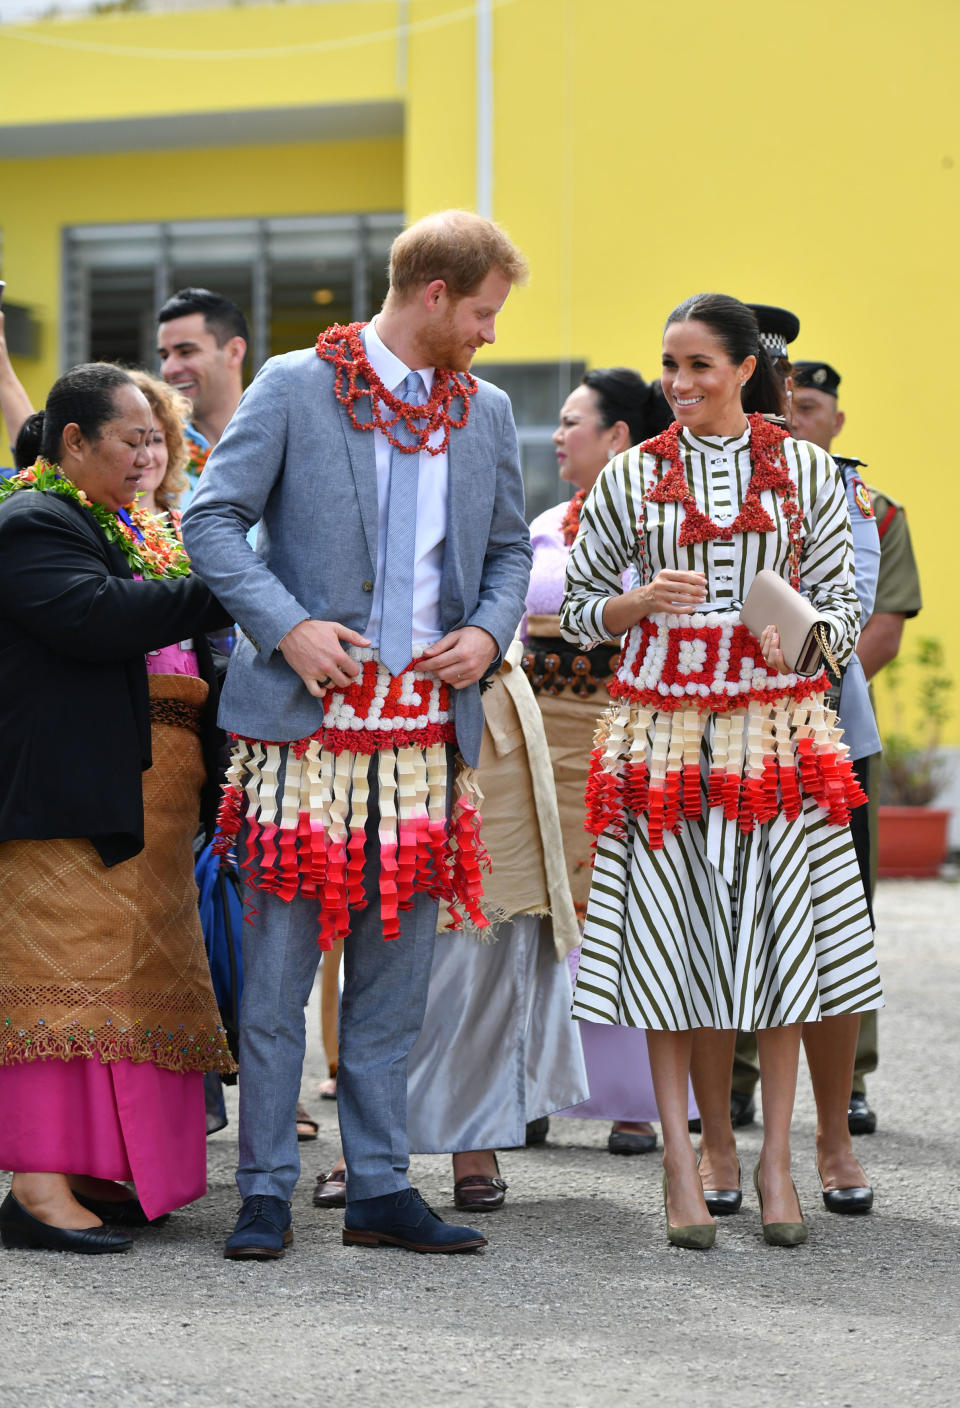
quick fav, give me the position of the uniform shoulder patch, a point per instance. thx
(861, 496)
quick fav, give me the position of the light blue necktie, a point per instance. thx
(396, 623)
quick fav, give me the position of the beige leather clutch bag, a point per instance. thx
(804, 633)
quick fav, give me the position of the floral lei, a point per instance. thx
(769, 472)
(357, 381)
(150, 547)
(198, 454)
(570, 522)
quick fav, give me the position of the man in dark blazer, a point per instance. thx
(319, 471)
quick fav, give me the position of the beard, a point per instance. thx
(445, 348)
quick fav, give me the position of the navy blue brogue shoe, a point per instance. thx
(263, 1230)
(403, 1219)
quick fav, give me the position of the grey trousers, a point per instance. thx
(382, 1006)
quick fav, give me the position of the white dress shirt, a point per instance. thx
(431, 506)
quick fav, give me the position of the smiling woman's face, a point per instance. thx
(701, 383)
(109, 467)
(154, 473)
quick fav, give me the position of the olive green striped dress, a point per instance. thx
(721, 928)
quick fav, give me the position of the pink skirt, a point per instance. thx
(116, 1120)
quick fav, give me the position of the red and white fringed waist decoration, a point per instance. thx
(696, 690)
(304, 834)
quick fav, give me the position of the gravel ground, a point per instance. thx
(578, 1300)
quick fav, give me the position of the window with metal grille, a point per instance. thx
(292, 276)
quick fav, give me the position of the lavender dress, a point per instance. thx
(618, 1068)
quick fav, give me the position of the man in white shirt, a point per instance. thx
(390, 574)
(202, 341)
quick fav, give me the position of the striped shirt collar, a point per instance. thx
(703, 444)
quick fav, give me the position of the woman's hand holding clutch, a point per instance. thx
(772, 654)
(679, 593)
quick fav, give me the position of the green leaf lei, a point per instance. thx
(158, 554)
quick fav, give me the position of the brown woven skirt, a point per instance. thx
(109, 961)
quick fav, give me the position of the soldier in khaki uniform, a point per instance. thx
(816, 416)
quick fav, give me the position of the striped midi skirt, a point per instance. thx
(727, 929)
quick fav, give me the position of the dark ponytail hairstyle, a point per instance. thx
(83, 396)
(622, 394)
(27, 449)
(736, 326)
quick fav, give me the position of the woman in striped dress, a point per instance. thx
(725, 890)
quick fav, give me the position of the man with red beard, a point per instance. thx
(389, 577)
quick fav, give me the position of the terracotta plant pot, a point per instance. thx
(911, 841)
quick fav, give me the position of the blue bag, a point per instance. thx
(221, 916)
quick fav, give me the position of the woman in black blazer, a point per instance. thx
(107, 1016)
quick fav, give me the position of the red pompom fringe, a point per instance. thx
(614, 799)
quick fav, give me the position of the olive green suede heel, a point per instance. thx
(698, 1237)
(781, 1234)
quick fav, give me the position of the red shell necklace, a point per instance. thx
(570, 522)
(769, 472)
(357, 381)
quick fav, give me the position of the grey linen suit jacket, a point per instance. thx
(291, 460)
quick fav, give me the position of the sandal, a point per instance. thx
(307, 1128)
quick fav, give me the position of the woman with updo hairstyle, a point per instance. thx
(106, 734)
(26, 448)
(611, 409)
(725, 890)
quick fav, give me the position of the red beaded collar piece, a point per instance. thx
(357, 381)
(570, 522)
(769, 472)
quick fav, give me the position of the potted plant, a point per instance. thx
(912, 834)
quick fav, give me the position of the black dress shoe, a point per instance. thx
(331, 1190)
(19, 1229)
(860, 1118)
(743, 1112)
(126, 1212)
(627, 1141)
(847, 1200)
(537, 1130)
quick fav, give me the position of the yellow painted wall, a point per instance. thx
(41, 197)
(235, 57)
(805, 156)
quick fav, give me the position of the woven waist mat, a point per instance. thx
(300, 809)
(177, 713)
